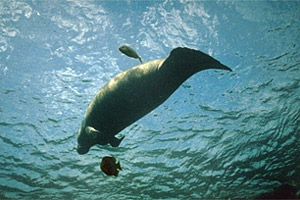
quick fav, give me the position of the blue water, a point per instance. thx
(220, 135)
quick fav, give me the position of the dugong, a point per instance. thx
(137, 91)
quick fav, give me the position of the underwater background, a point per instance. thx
(220, 135)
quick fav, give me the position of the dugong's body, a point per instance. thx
(133, 93)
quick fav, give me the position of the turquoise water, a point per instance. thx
(220, 135)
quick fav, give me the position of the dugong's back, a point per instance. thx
(128, 97)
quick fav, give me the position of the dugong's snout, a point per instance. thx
(82, 149)
(85, 140)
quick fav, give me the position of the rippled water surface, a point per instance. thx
(220, 135)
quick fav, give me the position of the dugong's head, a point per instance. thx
(89, 136)
(83, 145)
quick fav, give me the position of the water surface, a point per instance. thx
(221, 135)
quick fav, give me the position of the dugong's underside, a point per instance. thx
(133, 93)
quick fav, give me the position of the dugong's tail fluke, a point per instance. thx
(219, 65)
(195, 59)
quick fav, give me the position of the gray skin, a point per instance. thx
(134, 93)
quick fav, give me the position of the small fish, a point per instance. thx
(109, 166)
(128, 51)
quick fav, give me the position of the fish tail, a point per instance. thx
(140, 59)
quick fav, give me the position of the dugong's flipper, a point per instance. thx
(115, 142)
